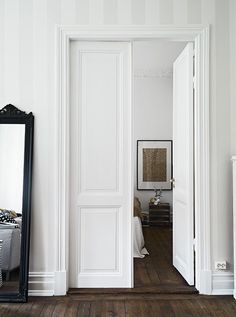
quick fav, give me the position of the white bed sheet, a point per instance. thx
(139, 251)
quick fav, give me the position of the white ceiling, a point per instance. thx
(155, 58)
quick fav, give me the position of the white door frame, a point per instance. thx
(200, 36)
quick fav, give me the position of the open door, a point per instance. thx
(100, 164)
(183, 226)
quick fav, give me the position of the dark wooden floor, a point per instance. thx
(156, 270)
(152, 306)
(151, 273)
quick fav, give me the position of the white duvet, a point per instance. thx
(139, 251)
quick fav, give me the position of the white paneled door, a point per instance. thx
(100, 164)
(183, 233)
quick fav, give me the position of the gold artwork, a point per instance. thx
(154, 165)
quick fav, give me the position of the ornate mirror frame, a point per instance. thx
(12, 115)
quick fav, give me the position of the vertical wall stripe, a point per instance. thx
(208, 12)
(208, 17)
(222, 109)
(11, 47)
(40, 107)
(152, 12)
(138, 11)
(2, 99)
(26, 54)
(54, 16)
(232, 12)
(68, 12)
(180, 11)
(194, 11)
(82, 11)
(124, 11)
(96, 11)
(110, 11)
(166, 11)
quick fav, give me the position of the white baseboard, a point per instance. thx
(205, 284)
(60, 285)
(222, 283)
(54, 283)
(41, 283)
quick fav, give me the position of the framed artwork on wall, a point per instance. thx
(154, 164)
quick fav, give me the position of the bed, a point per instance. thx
(139, 250)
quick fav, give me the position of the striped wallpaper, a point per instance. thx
(27, 79)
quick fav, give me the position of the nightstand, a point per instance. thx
(159, 215)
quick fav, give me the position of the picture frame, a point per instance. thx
(154, 164)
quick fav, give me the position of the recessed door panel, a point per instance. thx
(100, 164)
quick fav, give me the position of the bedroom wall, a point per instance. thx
(153, 99)
(232, 19)
(27, 80)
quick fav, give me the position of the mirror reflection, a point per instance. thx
(12, 146)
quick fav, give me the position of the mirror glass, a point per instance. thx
(12, 149)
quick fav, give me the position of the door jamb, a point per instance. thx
(200, 36)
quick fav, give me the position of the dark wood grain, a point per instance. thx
(156, 270)
(152, 305)
(161, 293)
(153, 274)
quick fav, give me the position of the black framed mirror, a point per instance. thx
(16, 158)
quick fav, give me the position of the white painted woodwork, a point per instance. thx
(183, 235)
(27, 61)
(234, 219)
(200, 36)
(100, 164)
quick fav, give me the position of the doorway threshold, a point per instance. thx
(162, 289)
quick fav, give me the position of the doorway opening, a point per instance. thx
(153, 121)
(117, 272)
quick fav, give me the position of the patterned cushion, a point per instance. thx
(5, 216)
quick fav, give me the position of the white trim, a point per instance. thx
(60, 283)
(198, 34)
(222, 283)
(234, 219)
(41, 284)
(202, 163)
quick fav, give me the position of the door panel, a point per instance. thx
(183, 234)
(100, 164)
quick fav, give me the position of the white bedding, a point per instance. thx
(139, 251)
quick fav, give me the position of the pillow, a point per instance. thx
(5, 216)
(12, 213)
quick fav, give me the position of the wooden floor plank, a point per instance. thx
(156, 270)
(59, 310)
(11, 311)
(145, 306)
(84, 309)
(25, 310)
(167, 310)
(48, 309)
(72, 309)
(114, 308)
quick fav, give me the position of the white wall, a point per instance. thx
(12, 147)
(153, 99)
(27, 79)
(232, 17)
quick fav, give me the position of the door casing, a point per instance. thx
(200, 36)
